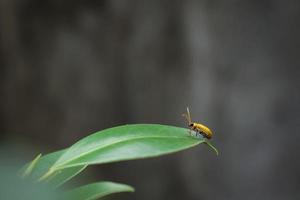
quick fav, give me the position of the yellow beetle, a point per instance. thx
(199, 128)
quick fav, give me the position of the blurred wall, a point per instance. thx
(70, 68)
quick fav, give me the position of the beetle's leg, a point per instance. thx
(195, 130)
(198, 133)
(192, 129)
(203, 135)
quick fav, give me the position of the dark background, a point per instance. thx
(70, 68)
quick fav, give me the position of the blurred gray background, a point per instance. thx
(71, 68)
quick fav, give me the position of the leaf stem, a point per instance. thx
(211, 146)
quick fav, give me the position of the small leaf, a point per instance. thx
(126, 143)
(59, 177)
(96, 190)
(30, 166)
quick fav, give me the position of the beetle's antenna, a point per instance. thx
(187, 116)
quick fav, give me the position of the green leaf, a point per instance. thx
(30, 166)
(126, 142)
(60, 176)
(96, 190)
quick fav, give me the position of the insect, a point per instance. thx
(197, 127)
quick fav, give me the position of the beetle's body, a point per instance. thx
(199, 128)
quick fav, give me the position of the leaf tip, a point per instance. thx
(31, 166)
(131, 189)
